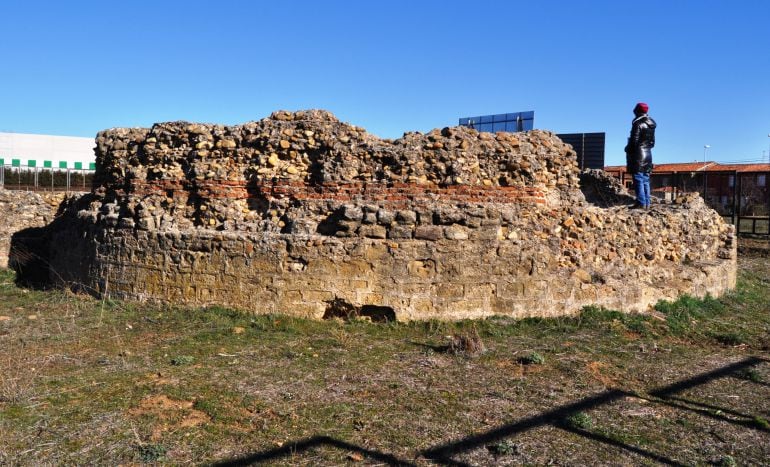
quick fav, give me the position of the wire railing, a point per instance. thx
(741, 198)
(32, 178)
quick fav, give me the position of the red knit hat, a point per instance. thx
(641, 106)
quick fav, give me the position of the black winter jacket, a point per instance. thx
(640, 144)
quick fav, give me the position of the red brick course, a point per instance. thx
(361, 191)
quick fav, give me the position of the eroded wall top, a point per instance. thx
(293, 167)
(314, 146)
(299, 211)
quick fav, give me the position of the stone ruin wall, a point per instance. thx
(304, 215)
(21, 210)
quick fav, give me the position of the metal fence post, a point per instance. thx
(767, 190)
(738, 188)
(735, 200)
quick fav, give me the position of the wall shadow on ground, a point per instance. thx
(559, 417)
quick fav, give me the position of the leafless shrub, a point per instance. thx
(468, 343)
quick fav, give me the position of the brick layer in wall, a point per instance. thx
(405, 193)
(299, 213)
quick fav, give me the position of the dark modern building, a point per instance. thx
(588, 146)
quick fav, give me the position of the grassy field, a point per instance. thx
(84, 381)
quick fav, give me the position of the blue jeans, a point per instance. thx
(642, 188)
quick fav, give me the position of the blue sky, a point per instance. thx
(74, 68)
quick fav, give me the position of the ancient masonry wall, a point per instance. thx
(20, 210)
(304, 215)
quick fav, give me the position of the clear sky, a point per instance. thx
(74, 68)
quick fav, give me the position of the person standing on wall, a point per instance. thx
(639, 154)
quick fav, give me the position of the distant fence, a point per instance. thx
(741, 198)
(64, 176)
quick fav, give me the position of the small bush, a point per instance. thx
(206, 406)
(580, 420)
(181, 360)
(727, 461)
(637, 323)
(468, 343)
(532, 358)
(151, 452)
(729, 337)
(761, 423)
(750, 374)
(503, 448)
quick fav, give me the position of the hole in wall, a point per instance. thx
(331, 224)
(378, 314)
(339, 308)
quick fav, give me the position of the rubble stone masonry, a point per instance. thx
(20, 210)
(302, 214)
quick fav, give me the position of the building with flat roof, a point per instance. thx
(29, 150)
(46, 162)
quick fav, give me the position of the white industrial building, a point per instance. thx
(21, 148)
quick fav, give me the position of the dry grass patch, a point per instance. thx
(90, 381)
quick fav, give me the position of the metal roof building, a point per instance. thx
(19, 149)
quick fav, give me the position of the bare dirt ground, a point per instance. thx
(754, 247)
(98, 382)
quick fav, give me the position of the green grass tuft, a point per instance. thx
(761, 423)
(727, 461)
(532, 358)
(181, 360)
(683, 315)
(731, 338)
(503, 448)
(149, 453)
(580, 420)
(91, 382)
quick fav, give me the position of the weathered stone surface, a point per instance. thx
(449, 224)
(20, 210)
(428, 232)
